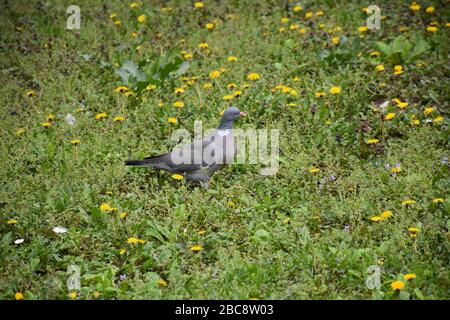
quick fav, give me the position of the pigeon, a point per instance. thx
(198, 161)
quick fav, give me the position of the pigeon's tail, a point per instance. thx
(150, 161)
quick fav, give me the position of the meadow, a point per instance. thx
(361, 193)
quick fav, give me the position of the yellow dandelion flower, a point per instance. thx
(319, 13)
(297, 8)
(428, 110)
(201, 232)
(117, 23)
(432, 29)
(172, 120)
(101, 115)
(362, 29)
(389, 116)
(335, 90)
(178, 104)
(19, 296)
(209, 26)
(396, 170)
(123, 215)
(309, 15)
(214, 74)
(376, 218)
(30, 93)
(75, 142)
(296, 79)
(179, 90)
(253, 76)
(199, 5)
(402, 105)
(119, 119)
(162, 283)
(335, 40)
(46, 124)
(397, 285)
(372, 141)
(142, 18)
(284, 20)
(386, 214)
(134, 34)
(231, 204)
(408, 202)
(430, 9)
(11, 221)
(414, 6)
(437, 200)
(50, 117)
(232, 59)
(105, 207)
(415, 122)
(314, 170)
(413, 232)
(177, 176)
(121, 89)
(398, 69)
(410, 276)
(196, 248)
(113, 15)
(20, 131)
(188, 56)
(122, 251)
(320, 94)
(134, 5)
(438, 119)
(228, 97)
(207, 85)
(73, 295)
(294, 26)
(203, 45)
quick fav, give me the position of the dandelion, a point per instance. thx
(196, 248)
(375, 54)
(413, 232)
(379, 67)
(402, 105)
(335, 90)
(408, 202)
(203, 45)
(214, 74)
(297, 8)
(178, 104)
(363, 29)
(207, 85)
(121, 89)
(117, 23)
(134, 34)
(19, 296)
(309, 15)
(209, 26)
(11, 221)
(398, 70)
(201, 232)
(231, 204)
(134, 240)
(142, 18)
(162, 283)
(228, 97)
(122, 251)
(335, 40)
(129, 93)
(179, 90)
(294, 26)
(20, 132)
(30, 93)
(75, 142)
(118, 119)
(373, 141)
(430, 9)
(46, 124)
(296, 79)
(397, 285)
(73, 295)
(396, 170)
(253, 76)
(437, 200)
(177, 176)
(438, 119)
(123, 215)
(134, 5)
(105, 207)
(320, 94)
(172, 120)
(415, 122)
(410, 276)
(389, 116)
(376, 218)
(101, 115)
(314, 170)
(414, 6)
(284, 20)
(232, 59)
(428, 110)
(319, 13)
(432, 29)
(199, 5)
(150, 87)
(386, 214)
(50, 117)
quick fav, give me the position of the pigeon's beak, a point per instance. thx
(242, 114)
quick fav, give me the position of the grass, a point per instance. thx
(294, 235)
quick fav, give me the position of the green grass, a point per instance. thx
(250, 249)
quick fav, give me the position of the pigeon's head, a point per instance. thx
(232, 113)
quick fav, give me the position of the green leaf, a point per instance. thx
(262, 234)
(384, 48)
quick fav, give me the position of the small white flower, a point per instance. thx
(70, 119)
(19, 241)
(59, 230)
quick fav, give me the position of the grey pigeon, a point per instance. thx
(198, 161)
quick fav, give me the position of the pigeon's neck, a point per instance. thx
(225, 124)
